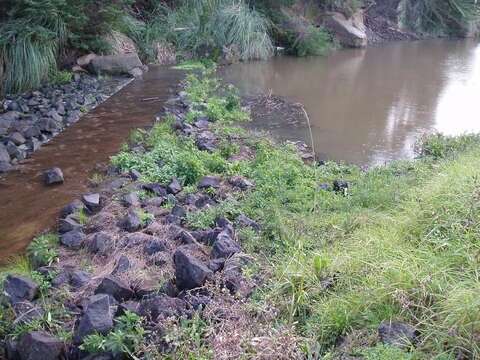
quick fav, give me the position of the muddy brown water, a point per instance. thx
(367, 106)
(27, 207)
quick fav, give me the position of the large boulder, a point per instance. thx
(115, 63)
(190, 272)
(344, 31)
(97, 317)
(38, 345)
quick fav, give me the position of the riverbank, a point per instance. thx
(212, 242)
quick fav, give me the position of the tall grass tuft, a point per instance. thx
(29, 50)
(449, 17)
(217, 23)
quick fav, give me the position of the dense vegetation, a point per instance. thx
(400, 244)
(38, 36)
(452, 17)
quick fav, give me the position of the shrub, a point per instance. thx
(313, 41)
(33, 32)
(197, 24)
(63, 77)
(450, 17)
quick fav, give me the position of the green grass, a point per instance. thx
(63, 77)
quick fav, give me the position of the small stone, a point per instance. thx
(17, 138)
(201, 118)
(240, 182)
(55, 115)
(190, 272)
(4, 167)
(4, 155)
(112, 170)
(179, 211)
(224, 247)
(162, 306)
(68, 224)
(154, 246)
(97, 317)
(209, 182)
(186, 238)
(53, 176)
(38, 345)
(136, 72)
(202, 124)
(146, 287)
(116, 288)
(11, 348)
(135, 175)
(92, 201)
(396, 334)
(79, 278)
(243, 221)
(73, 207)
(172, 219)
(123, 265)
(32, 131)
(216, 264)
(34, 144)
(139, 149)
(156, 202)
(130, 306)
(63, 277)
(101, 243)
(177, 125)
(131, 222)
(157, 189)
(222, 222)
(175, 187)
(131, 200)
(19, 288)
(73, 239)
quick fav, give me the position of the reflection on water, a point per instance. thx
(368, 105)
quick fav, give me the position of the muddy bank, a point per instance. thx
(29, 207)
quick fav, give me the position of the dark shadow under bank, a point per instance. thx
(27, 206)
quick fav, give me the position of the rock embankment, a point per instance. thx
(139, 256)
(29, 120)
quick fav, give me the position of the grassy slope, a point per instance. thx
(404, 247)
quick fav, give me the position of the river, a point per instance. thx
(368, 106)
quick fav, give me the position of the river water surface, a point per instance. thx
(367, 106)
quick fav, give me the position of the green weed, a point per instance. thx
(42, 250)
(127, 337)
